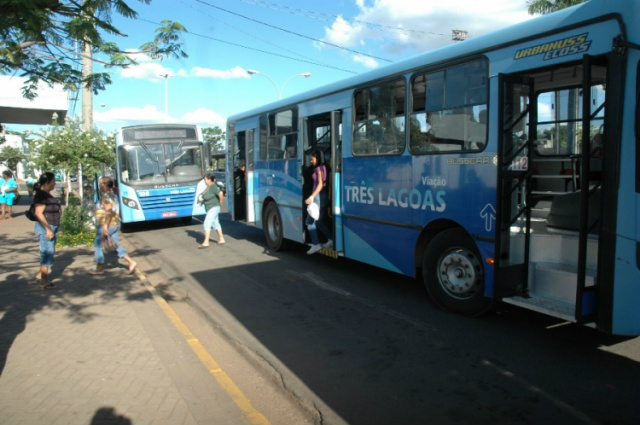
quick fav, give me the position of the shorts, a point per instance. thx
(7, 200)
(211, 221)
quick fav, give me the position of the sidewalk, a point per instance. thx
(96, 350)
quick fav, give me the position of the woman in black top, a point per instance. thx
(47, 212)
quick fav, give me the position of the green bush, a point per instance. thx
(73, 220)
(74, 228)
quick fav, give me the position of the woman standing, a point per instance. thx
(108, 226)
(212, 198)
(319, 197)
(8, 194)
(48, 212)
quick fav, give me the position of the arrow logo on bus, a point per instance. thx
(489, 215)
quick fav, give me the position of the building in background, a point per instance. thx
(16, 109)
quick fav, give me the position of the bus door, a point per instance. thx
(242, 171)
(324, 132)
(517, 109)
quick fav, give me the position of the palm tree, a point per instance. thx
(542, 7)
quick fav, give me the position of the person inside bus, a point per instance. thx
(389, 137)
(319, 196)
(240, 191)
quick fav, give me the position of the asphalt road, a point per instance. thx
(358, 345)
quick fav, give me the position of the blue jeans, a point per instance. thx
(319, 225)
(47, 247)
(97, 243)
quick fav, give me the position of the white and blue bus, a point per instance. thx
(502, 168)
(160, 168)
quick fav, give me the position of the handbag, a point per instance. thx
(31, 213)
(313, 210)
(109, 245)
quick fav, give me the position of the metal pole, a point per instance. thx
(304, 74)
(166, 96)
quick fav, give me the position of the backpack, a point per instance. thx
(31, 213)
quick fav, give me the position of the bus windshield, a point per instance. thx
(144, 163)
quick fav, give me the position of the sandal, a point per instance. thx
(132, 267)
(96, 272)
(48, 286)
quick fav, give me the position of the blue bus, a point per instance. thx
(504, 168)
(160, 169)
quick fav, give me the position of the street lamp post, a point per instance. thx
(166, 95)
(279, 89)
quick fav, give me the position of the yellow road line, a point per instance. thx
(207, 360)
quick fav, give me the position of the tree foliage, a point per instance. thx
(39, 40)
(69, 146)
(543, 7)
(216, 136)
(11, 157)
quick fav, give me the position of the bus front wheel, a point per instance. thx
(272, 225)
(453, 275)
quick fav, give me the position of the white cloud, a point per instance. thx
(401, 25)
(147, 68)
(153, 71)
(146, 71)
(149, 114)
(237, 72)
(129, 115)
(204, 117)
(367, 61)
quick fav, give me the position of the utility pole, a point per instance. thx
(87, 92)
(87, 104)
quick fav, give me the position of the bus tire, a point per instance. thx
(453, 275)
(272, 226)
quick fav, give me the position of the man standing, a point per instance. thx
(30, 181)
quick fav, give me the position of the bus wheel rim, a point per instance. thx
(458, 273)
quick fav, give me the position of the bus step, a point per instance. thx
(557, 281)
(555, 308)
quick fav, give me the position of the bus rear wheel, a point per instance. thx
(453, 274)
(272, 225)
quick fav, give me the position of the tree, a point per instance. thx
(217, 137)
(543, 7)
(11, 157)
(38, 40)
(68, 147)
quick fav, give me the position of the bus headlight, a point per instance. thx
(130, 203)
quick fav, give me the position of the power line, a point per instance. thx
(257, 50)
(327, 17)
(278, 46)
(292, 32)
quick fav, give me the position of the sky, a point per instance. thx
(332, 40)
